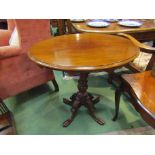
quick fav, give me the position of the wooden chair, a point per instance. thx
(145, 60)
(64, 26)
(141, 89)
(7, 125)
(3, 24)
(147, 55)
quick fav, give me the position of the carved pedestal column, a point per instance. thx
(82, 97)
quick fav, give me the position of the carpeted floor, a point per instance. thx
(40, 111)
(147, 130)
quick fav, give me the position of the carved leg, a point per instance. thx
(117, 101)
(71, 101)
(110, 76)
(74, 110)
(63, 73)
(68, 102)
(96, 100)
(91, 110)
(55, 85)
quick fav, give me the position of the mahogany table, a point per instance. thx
(144, 33)
(83, 53)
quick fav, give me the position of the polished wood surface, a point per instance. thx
(143, 85)
(7, 124)
(141, 89)
(84, 52)
(113, 28)
(143, 47)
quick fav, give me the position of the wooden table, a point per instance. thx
(144, 33)
(83, 53)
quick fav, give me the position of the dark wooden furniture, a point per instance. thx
(141, 89)
(3, 24)
(7, 125)
(64, 26)
(144, 33)
(83, 53)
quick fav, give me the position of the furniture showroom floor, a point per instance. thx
(41, 111)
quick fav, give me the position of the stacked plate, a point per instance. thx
(111, 20)
(106, 22)
(97, 23)
(130, 23)
(77, 20)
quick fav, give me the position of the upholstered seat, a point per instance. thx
(17, 72)
(143, 59)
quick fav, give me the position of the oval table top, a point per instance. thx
(84, 52)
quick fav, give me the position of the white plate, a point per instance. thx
(111, 20)
(130, 23)
(77, 20)
(97, 24)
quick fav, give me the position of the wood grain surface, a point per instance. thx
(84, 52)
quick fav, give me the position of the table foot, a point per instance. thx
(66, 101)
(91, 110)
(67, 122)
(82, 97)
(75, 106)
(98, 120)
(96, 100)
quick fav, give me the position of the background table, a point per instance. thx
(83, 53)
(144, 33)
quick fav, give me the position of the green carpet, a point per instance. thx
(147, 130)
(41, 110)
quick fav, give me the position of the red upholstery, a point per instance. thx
(5, 34)
(17, 72)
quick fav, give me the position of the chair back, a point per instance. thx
(31, 31)
(11, 24)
